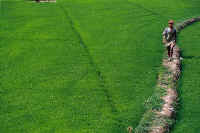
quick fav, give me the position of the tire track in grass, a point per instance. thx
(118, 122)
(98, 73)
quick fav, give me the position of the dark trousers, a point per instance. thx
(170, 50)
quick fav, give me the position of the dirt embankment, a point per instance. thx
(161, 113)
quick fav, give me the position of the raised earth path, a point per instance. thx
(161, 107)
(187, 118)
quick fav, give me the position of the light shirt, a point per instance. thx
(169, 34)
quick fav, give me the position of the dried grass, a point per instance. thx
(159, 121)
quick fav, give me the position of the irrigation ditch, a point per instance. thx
(161, 106)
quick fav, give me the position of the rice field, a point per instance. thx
(81, 66)
(189, 110)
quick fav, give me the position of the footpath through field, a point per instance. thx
(188, 118)
(50, 83)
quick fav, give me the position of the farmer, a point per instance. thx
(169, 38)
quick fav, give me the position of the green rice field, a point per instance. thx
(188, 118)
(87, 66)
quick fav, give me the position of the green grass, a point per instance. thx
(80, 66)
(188, 118)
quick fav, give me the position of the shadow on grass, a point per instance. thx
(191, 57)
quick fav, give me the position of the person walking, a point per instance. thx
(169, 38)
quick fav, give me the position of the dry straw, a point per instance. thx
(161, 106)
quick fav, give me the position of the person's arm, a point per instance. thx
(164, 34)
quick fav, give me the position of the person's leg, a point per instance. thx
(168, 50)
(171, 49)
(171, 53)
